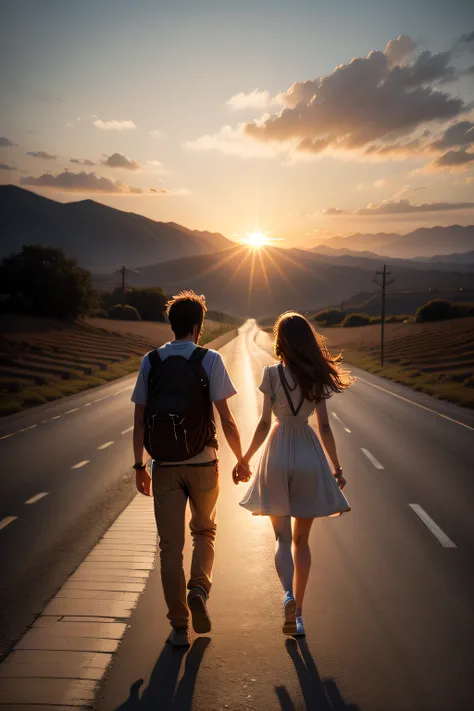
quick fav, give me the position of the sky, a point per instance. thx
(302, 120)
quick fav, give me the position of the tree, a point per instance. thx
(437, 310)
(42, 281)
(329, 317)
(356, 319)
(124, 313)
(149, 302)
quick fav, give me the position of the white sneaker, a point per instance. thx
(300, 631)
(289, 624)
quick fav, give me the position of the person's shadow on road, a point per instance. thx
(163, 692)
(318, 694)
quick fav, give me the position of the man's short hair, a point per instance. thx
(184, 311)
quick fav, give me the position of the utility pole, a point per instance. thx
(384, 274)
(123, 286)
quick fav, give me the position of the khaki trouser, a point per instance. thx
(172, 487)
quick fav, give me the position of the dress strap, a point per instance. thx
(287, 392)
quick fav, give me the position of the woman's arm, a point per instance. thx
(326, 434)
(262, 429)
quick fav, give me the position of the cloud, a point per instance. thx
(83, 183)
(234, 142)
(398, 49)
(114, 125)
(155, 133)
(404, 207)
(6, 143)
(4, 166)
(117, 160)
(255, 99)
(334, 211)
(42, 154)
(381, 183)
(82, 161)
(466, 42)
(454, 158)
(376, 107)
(460, 133)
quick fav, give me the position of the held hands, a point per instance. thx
(241, 472)
(341, 482)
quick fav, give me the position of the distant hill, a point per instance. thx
(247, 283)
(99, 237)
(423, 242)
(462, 259)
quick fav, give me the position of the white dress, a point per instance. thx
(293, 477)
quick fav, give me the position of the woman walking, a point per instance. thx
(294, 479)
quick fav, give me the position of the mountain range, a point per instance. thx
(99, 237)
(423, 242)
(234, 277)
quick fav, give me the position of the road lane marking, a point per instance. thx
(5, 521)
(372, 459)
(127, 430)
(56, 418)
(342, 423)
(105, 445)
(445, 541)
(101, 398)
(87, 404)
(74, 409)
(79, 465)
(36, 498)
(30, 427)
(8, 435)
(412, 402)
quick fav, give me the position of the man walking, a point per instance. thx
(174, 421)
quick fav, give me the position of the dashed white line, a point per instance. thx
(75, 409)
(105, 445)
(88, 404)
(36, 498)
(101, 398)
(79, 465)
(129, 429)
(372, 459)
(5, 521)
(8, 435)
(30, 427)
(433, 527)
(342, 423)
(56, 417)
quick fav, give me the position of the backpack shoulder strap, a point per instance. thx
(197, 356)
(155, 363)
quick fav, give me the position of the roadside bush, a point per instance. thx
(356, 319)
(33, 398)
(329, 317)
(11, 385)
(376, 319)
(437, 310)
(99, 313)
(124, 313)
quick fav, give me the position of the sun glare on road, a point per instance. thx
(256, 240)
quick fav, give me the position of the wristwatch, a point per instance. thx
(139, 465)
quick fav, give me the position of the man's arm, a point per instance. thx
(143, 479)
(229, 427)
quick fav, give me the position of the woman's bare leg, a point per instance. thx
(283, 556)
(302, 558)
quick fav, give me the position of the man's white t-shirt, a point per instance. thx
(220, 384)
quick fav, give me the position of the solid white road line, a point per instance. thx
(342, 423)
(79, 465)
(412, 402)
(36, 498)
(105, 445)
(129, 429)
(5, 521)
(372, 459)
(445, 541)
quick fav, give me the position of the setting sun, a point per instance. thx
(256, 240)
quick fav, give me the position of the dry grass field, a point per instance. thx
(45, 359)
(436, 358)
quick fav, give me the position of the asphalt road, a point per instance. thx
(389, 610)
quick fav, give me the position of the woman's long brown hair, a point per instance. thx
(306, 355)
